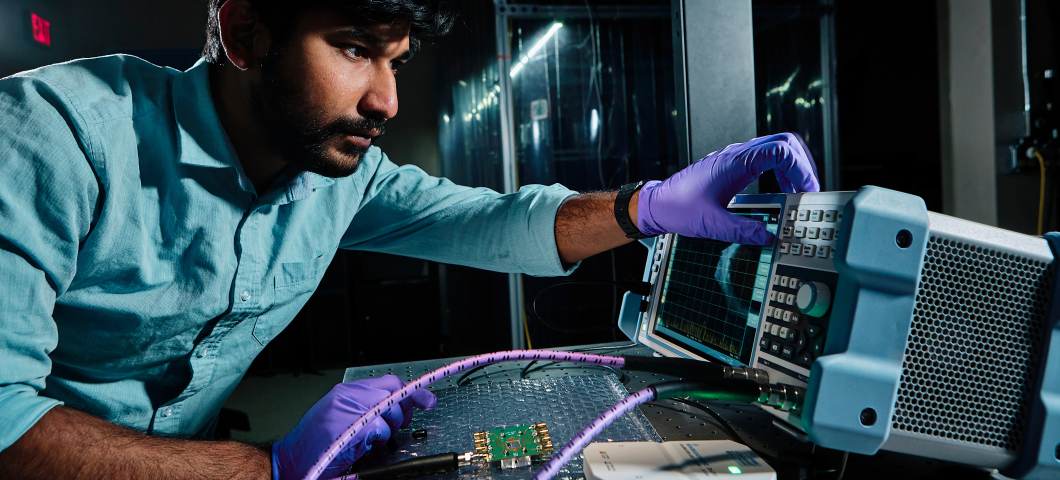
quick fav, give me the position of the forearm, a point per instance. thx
(586, 225)
(66, 443)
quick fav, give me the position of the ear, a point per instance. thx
(244, 38)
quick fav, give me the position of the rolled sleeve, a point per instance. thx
(404, 211)
(20, 408)
(532, 230)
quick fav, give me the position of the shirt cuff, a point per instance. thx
(20, 408)
(532, 230)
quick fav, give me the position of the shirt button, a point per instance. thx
(244, 296)
(168, 412)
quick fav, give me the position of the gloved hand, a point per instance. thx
(692, 202)
(294, 456)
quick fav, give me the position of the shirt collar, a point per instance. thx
(203, 141)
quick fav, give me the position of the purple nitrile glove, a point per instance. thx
(692, 202)
(294, 456)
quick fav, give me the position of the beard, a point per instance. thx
(299, 131)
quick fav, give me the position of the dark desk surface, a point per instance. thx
(674, 420)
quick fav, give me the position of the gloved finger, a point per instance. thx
(742, 163)
(375, 433)
(390, 383)
(809, 154)
(399, 415)
(359, 397)
(796, 171)
(733, 228)
(421, 398)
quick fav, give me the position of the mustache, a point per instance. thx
(364, 127)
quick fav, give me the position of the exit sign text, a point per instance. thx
(42, 31)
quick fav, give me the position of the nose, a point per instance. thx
(380, 100)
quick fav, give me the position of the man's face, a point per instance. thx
(325, 94)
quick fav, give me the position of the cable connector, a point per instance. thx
(467, 458)
(782, 397)
(747, 373)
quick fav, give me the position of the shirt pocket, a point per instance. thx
(293, 274)
(294, 283)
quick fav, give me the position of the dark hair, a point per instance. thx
(427, 18)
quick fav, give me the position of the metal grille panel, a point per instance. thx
(973, 344)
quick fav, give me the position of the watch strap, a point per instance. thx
(622, 210)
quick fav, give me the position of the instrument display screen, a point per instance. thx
(713, 292)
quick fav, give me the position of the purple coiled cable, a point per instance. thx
(582, 439)
(457, 367)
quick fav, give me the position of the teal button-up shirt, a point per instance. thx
(140, 273)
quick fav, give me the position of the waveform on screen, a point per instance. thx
(701, 334)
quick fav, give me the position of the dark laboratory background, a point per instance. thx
(860, 81)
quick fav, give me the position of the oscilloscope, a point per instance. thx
(911, 331)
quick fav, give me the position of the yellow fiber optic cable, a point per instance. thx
(526, 329)
(1041, 194)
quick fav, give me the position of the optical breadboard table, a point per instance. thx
(569, 396)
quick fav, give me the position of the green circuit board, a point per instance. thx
(513, 442)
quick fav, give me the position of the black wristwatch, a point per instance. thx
(622, 210)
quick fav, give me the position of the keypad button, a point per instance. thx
(823, 251)
(785, 247)
(809, 250)
(783, 332)
(787, 316)
(772, 296)
(784, 282)
(804, 215)
(763, 343)
(786, 232)
(796, 249)
(786, 352)
(800, 232)
(776, 279)
(795, 318)
(792, 214)
(790, 299)
(806, 359)
(830, 215)
(769, 311)
(826, 233)
(813, 232)
(816, 216)
(774, 348)
(793, 335)
(774, 329)
(778, 313)
(800, 341)
(793, 283)
(818, 347)
(814, 330)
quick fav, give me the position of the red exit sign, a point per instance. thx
(42, 29)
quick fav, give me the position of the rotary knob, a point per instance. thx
(814, 298)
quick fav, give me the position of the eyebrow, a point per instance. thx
(357, 34)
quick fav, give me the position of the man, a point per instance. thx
(158, 228)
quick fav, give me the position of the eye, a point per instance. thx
(356, 51)
(396, 66)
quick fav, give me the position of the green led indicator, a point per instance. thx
(735, 470)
